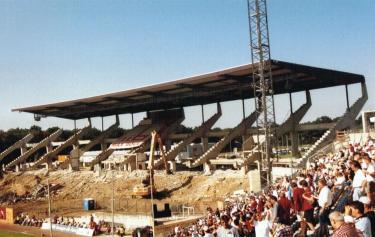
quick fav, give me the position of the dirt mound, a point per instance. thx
(187, 188)
(19, 184)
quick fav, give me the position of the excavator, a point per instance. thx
(147, 188)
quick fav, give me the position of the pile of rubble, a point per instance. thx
(40, 192)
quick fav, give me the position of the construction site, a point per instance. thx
(199, 173)
(151, 164)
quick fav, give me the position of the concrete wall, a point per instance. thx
(278, 172)
(129, 221)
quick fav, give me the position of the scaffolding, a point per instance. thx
(262, 81)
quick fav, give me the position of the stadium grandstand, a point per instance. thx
(164, 105)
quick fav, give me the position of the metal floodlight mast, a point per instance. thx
(262, 80)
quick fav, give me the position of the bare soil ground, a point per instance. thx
(188, 188)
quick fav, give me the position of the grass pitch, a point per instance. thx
(13, 234)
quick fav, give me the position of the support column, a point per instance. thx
(244, 137)
(98, 166)
(75, 154)
(207, 168)
(49, 148)
(287, 141)
(347, 98)
(294, 144)
(98, 169)
(132, 120)
(168, 144)
(103, 145)
(244, 169)
(365, 123)
(204, 141)
(23, 149)
(254, 179)
(172, 166)
(293, 132)
(202, 109)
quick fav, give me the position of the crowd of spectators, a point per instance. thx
(101, 227)
(333, 196)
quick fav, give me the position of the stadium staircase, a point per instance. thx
(70, 141)
(199, 132)
(344, 122)
(214, 151)
(28, 153)
(15, 146)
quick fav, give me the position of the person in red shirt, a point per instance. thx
(307, 205)
(283, 212)
(297, 198)
(261, 203)
(253, 203)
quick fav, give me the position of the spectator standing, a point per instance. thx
(283, 212)
(262, 224)
(324, 201)
(307, 205)
(226, 230)
(297, 198)
(358, 181)
(362, 223)
(369, 213)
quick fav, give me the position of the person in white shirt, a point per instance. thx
(359, 180)
(340, 180)
(324, 201)
(207, 232)
(262, 224)
(362, 223)
(370, 170)
(226, 229)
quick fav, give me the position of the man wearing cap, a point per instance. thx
(370, 214)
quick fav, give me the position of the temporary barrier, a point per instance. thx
(3, 214)
(6, 215)
(69, 229)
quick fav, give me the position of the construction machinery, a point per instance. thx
(147, 188)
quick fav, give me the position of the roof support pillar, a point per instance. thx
(132, 120)
(243, 108)
(202, 108)
(347, 97)
(291, 103)
(293, 133)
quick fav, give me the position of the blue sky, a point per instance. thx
(61, 50)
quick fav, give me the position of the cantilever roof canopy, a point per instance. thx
(225, 85)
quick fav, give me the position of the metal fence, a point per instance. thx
(124, 205)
